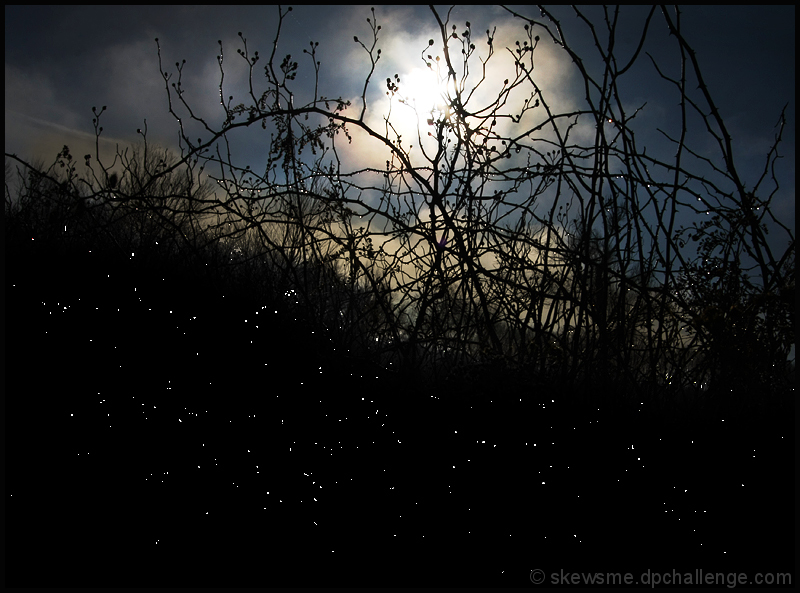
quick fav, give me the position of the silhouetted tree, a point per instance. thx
(500, 229)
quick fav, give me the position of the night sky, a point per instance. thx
(152, 434)
(61, 61)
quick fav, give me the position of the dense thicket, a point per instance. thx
(502, 235)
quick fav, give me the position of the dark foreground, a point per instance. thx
(158, 434)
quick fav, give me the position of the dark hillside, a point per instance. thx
(162, 431)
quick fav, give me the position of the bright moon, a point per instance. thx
(421, 90)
